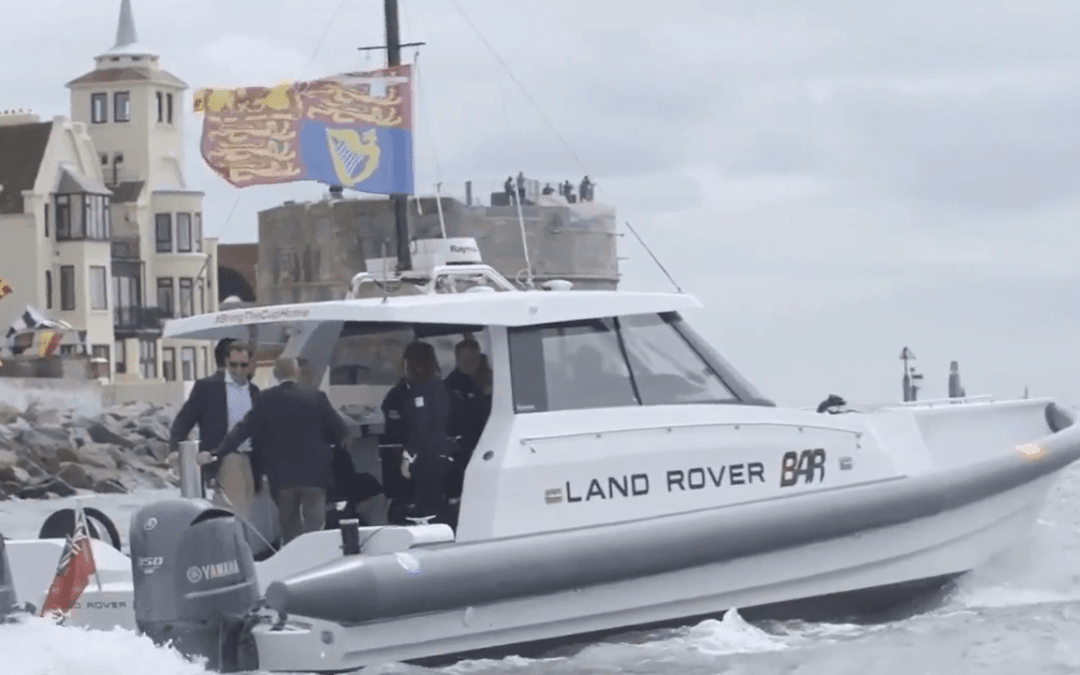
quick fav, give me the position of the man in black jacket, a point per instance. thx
(217, 403)
(293, 430)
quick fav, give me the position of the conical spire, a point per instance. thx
(125, 29)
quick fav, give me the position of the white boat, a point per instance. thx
(627, 476)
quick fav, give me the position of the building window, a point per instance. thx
(125, 287)
(104, 158)
(205, 361)
(67, 288)
(122, 106)
(63, 217)
(46, 220)
(121, 357)
(48, 289)
(148, 359)
(96, 217)
(168, 108)
(201, 292)
(168, 360)
(160, 107)
(183, 233)
(82, 216)
(99, 296)
(197, 232)
(187, 298)
(165, 301)
(187, 363)
(163, 228)
(99, 104)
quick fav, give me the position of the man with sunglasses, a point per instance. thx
(217, 403)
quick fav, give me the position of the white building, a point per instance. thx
(108, 235)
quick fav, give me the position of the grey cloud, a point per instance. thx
(998, 151)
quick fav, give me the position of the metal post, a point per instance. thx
(399, 201)
(191, 486)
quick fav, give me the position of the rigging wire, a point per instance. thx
(553, 129)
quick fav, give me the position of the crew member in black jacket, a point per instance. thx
(391, 442)
(470, 405)
(427, 413)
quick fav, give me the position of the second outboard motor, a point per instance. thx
(8, 601)
(194, 581)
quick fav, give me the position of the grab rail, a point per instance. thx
(695, 425)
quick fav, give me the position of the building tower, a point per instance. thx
(161, 266)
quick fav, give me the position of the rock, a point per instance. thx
(107, 431)
(35, 414)
(46, 451)
(43, 446)
(159, 450)
(75, 475)
(10, 471)
(8, 413)
(110, 486)
(100, 455)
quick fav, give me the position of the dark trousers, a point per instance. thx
(300, 510)
(429, 476)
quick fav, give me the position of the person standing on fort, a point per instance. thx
(586, 189)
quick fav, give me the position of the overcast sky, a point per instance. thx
(834, 179)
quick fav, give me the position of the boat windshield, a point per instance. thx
(646, 359)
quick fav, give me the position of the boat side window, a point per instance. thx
(666, 369)
(569, 366)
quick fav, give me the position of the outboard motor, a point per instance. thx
(8, 601)
(194, 582)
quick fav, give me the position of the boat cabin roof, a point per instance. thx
(495, 308)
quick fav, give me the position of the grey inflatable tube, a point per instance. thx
(361, 589)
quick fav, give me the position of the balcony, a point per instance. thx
(139, 319)
(125, 248)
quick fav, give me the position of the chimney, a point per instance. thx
(336, 192)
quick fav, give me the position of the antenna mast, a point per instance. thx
(399, 201)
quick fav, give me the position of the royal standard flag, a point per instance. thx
(5, 289)
(353, 130)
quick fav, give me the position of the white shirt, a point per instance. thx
(238, 399)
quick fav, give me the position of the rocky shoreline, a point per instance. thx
(46, 452)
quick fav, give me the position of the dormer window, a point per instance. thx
(99, 104)
(122, 106)
(160, 107)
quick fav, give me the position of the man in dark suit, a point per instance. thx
(293, 430)
(217, 403)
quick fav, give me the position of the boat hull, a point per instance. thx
(932, 548)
